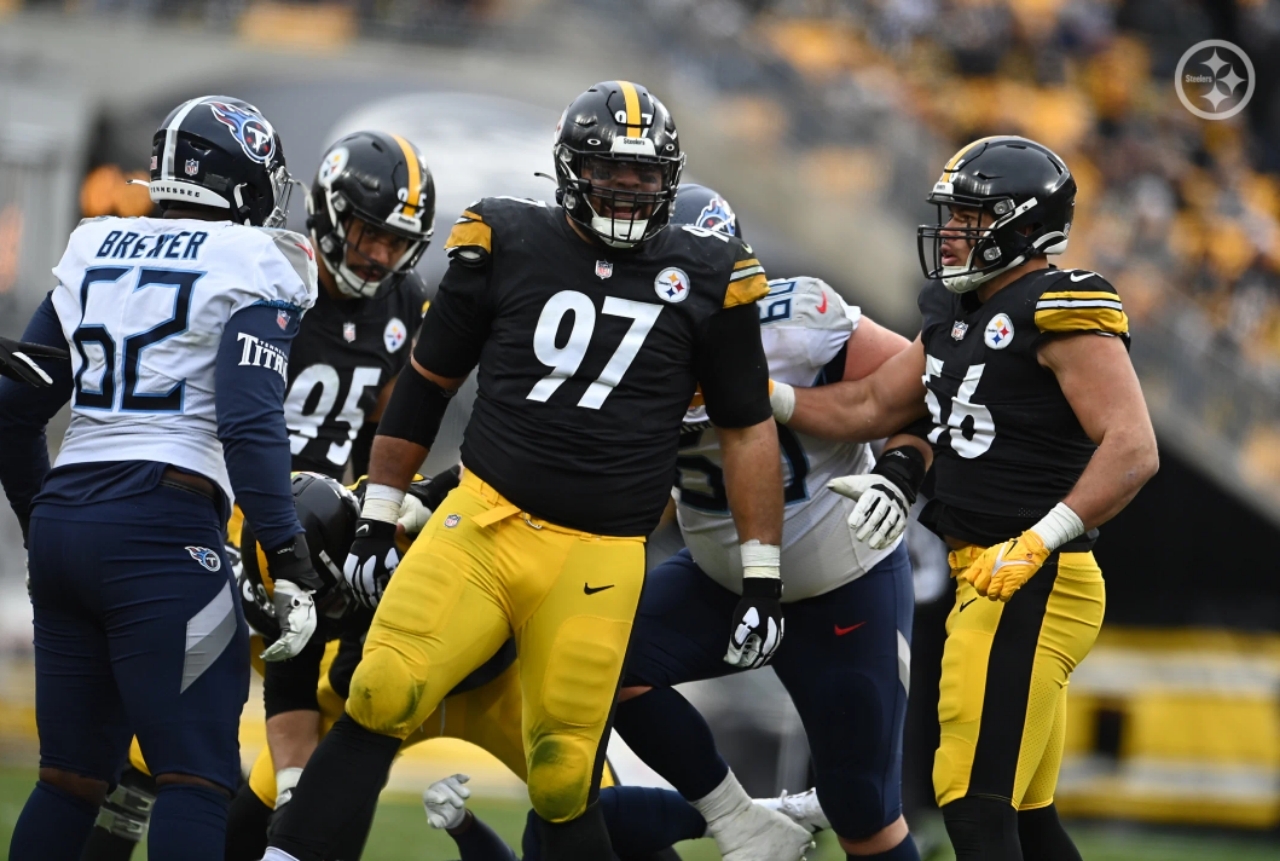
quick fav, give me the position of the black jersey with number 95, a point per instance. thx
(589, 356)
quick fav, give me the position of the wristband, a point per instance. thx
(382, 502)
(290, 561)
(782, 398)
(761, 561)
(904, 466)
(1059, 526)
(286, 780)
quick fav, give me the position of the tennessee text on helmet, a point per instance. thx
(221, 153)
(617, 123)
(328, 513)
(699, 206)
(1025, 196)
(371, 179)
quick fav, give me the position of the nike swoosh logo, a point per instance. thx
(588, 589)
(966, 604)
(822, 309)
(840, 632)
(362, 529)
(1083, 275)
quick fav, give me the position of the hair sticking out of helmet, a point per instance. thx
(371, 211)
(699, 206)
(618, 163)
(221, 154)
(1001, 201)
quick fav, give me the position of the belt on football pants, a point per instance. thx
(179, 480)
(504, 508)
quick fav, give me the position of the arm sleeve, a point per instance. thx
(457, 323)
(249, 394)
(732, 368)
(24, 412)
(362, 448)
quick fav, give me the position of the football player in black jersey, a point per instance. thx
(371, 213)
(593, 324)
(1024, 400)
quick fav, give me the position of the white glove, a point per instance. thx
(286, 780)
(882, 511)
(446, 801)
(782, 398)
(296, 614)
(413, 515)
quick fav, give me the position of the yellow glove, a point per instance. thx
(1001, 570)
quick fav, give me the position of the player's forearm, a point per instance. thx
(292, 737)
(753, 481)
(393, 461)
(850, 412)
(1125, 460)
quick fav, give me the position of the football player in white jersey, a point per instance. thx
(848, 608)
(179, 330)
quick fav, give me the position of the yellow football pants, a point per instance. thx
(483, 571)
(1005, 670)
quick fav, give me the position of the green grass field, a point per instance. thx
(401, 834)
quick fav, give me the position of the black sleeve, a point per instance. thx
(732, 368)
(291, 685)
(457, 322)
(362, 447)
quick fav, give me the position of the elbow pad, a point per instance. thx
(415, 409)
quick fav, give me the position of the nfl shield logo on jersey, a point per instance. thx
(999, 332)
(192, 167)
(394, 335)
(282, 319)
(604, 269)
(958, 330)
(208, 559)
(348, 332)
(671, 285)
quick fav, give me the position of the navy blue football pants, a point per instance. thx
(844, 659)
(138, 630)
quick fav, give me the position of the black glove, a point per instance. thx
(372, 560)
(757, 623)
(16, 361)
(294, 584)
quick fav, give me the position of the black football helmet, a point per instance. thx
(699, 206)
(378, 179)
(328, 513)
(1028, 194)
(621, 122)
(221, 153)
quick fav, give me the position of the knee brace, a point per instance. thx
(127, 811)
(983, 829)
(387, 694)
(560, 769)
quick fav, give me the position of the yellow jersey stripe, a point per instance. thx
(474, 216)
(470, 234)
(1112, 321)
(632, 99)
(746, 273)
(743, 264)
(1081, 295)
(746, 290)
(414, 196)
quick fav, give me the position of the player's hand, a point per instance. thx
(1001, 570)
(293, 598)
(882, 511)
(413, 515)
(446, 801)
(17, 361)
(757, 623)
(372, 561)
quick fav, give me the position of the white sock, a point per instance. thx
(274, 854)
(725, 800)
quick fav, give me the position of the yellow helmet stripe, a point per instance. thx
(632, 98)
(959, 156)
(413, 198)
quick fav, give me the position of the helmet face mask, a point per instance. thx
(371, 211)
(1023, 199)
(617, 163)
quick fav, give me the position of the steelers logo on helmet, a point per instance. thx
(333, 165)
(251, 130)
(671, 285)
(999, 332)
(394, 335)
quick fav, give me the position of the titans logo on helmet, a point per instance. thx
(718, 215)
(253, 132)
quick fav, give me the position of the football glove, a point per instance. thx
(295, 583)
(884, 495)
(757, 623)
(1001, 570)
(446, 801)
(372, 561)
(16, 361)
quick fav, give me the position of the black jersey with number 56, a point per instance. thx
(589, 356)
(345, 352)
(1007, 445)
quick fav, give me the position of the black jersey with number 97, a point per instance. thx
(345, 352)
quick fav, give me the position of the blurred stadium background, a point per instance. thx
(824, 122)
